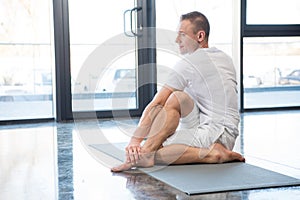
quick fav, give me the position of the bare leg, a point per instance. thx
(164, 124)
(169, 119)
(182, 154)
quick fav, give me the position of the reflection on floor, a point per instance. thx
(52, 161)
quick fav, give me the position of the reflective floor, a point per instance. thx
(52, 161)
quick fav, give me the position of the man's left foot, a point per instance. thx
(147, 160)
(123, 167)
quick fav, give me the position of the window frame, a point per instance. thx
(27, 43)
(62, 62)
(262, 30)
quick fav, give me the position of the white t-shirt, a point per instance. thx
(209, 77)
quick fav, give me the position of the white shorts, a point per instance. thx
(189, 132)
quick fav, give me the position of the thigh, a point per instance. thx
(194, 137)
(180, 101)
(183, 136)
(191, 121)
(201, 137)
(227, 140)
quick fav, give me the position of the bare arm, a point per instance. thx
(149, 114)
(143, 128)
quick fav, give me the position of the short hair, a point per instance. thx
(199, 21)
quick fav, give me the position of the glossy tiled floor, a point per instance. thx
(51, 161)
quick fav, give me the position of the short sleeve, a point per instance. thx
(177, 77)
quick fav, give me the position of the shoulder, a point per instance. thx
(218, 52)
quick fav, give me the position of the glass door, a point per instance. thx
(103, 54)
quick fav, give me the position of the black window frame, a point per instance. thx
(146, 56)
(262, 30)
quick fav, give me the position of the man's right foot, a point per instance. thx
(219, 154)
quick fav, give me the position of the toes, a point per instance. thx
(237, 157)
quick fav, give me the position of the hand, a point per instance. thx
(133, 154)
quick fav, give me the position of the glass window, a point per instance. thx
(109, 83)
(26, 59)
(273, 12)
(271, 72)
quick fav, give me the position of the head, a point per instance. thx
(193, 32)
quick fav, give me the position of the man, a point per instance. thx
(194, 117)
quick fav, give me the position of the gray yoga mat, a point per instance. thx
(208, 178)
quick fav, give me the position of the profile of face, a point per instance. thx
(187, 40)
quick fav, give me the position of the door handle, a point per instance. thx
(139, 26)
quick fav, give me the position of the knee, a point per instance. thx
(155, 110)
(172, 101)
(180, 101)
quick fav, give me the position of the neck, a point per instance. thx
(203, 44)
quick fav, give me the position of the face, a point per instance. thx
(187, 40)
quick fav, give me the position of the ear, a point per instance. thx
(201, 36)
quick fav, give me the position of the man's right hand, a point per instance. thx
(133, 153)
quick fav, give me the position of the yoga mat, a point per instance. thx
(208, 178)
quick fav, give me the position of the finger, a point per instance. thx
(138, 148)
(135, 155)
(139, 151)
(132, 156)
(128, 156)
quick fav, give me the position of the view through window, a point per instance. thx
(26, 59)
(271, 54)
(271, 72)
(278, 12)
(102, 85)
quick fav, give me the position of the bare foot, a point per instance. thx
(219, 154)
(147, 160)
(123, 167)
